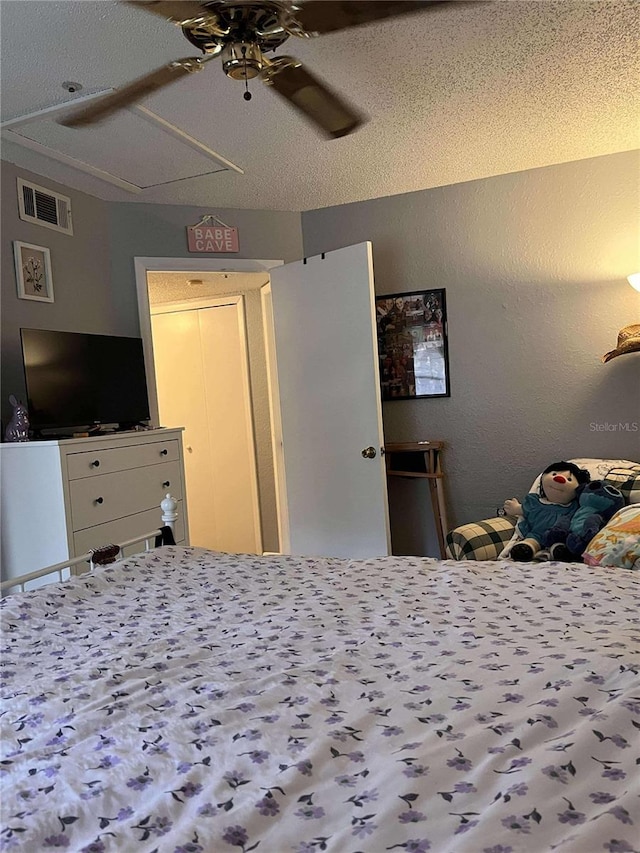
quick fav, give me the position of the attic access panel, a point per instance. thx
(136, 147)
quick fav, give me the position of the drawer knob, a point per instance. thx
(95, 463)
(166, 484)
(99, 500)
(164, 452)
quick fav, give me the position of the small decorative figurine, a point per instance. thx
(18, 427)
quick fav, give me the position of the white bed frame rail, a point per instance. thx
(96, 556)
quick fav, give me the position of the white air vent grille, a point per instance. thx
(44, 207)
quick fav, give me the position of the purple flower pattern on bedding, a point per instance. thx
(185, 701)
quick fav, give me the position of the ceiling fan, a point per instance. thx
(241, 32)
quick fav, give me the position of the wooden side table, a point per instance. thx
(422, 459)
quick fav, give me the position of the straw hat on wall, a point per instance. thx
(628, 341)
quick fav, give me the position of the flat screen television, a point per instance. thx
(82, 380)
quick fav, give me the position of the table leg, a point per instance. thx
(437, 516)
(436, 491)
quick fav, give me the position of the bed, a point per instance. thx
(186, 700)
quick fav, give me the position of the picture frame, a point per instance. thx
(33, 272)
(413, 348)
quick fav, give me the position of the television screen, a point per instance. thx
(79, 380)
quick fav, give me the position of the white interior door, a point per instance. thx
(325, 348)
(203, 384)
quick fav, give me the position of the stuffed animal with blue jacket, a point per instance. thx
(598, 502)
(539, 512)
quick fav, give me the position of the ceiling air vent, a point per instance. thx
(44, 207)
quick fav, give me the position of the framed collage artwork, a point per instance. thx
(413, 345)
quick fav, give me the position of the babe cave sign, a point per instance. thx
(212, 237)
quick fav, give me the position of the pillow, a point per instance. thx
(628, 481)
(482, 540)
(598, 469)
(618, 543)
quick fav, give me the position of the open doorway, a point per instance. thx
(320, 323)
(202, 381)
(227, 303)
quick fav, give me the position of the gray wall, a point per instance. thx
(93, 273)
(534, 264)
(155, 230)
(82, 288)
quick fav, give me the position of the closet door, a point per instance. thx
(230, 423)
(181, 396)
(202, 382)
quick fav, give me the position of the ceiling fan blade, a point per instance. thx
(325, 108)
(325, 16)
(173, 10)
(102, 108)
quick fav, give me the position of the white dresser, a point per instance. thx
(61, 498)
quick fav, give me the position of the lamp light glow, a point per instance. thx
(634, 280)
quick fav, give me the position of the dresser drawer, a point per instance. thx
(115, 532)
(95, 500)
(98, 462)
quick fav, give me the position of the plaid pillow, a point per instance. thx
(628, 481)
(480, 540)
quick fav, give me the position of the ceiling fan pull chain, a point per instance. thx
(247, 93)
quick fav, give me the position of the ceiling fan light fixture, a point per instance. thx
(242, 60)
(242, 32)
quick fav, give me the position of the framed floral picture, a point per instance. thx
(413, 345)
(33, 272)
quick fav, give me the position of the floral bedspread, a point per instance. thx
(190, 701)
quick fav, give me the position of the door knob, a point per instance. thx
(369, 452)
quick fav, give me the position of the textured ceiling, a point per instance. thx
(181, 287)
(458, 93)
